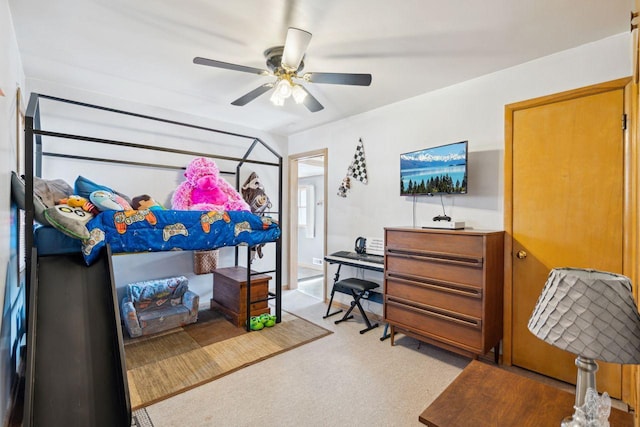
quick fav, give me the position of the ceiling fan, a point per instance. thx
(285, 64)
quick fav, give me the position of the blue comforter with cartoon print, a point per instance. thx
(169, 230)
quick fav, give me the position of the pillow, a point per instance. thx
(46, 193)
(84, 187)
(70, 221)
(108, 201)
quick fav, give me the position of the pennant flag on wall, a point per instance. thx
(358, 167)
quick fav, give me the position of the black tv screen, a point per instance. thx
(435, 170)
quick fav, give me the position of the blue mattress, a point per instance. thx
(50, 241)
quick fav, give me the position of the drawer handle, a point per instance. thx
(452, 288)
(428, 311)
(467, 262)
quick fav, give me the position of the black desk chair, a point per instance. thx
(357, 288)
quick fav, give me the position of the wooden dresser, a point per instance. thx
(444, 287)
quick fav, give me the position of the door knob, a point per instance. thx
(521, 254)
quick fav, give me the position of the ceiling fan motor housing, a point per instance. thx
(274, 60)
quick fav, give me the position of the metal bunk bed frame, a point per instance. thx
(33, 166)
(94, 389)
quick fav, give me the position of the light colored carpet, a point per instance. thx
(312, 287)
(164, 365)
(344, 379)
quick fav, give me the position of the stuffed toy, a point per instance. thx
(79, 202)
(145, 202)
(205, 190)
(345, 186)
(254, 194)
(106, 200)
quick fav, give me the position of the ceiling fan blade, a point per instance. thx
(227, 66)
(339, 78)
(294, 48)
(311, 102)
(243, 100)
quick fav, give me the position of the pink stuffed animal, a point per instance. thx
(205, 190)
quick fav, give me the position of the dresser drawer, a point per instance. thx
(467, 271)
(444, 243)
(447, 295)
(451, 328)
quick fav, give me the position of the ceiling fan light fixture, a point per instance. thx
(277, 99)
(283, 88)
(299, 94)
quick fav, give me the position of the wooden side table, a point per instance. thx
(485, 395)
(230, 293)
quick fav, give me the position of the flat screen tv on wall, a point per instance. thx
(435, 170)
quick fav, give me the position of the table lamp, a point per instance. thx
(592, 314)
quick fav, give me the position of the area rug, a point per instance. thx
(140, 418)
(166, 364)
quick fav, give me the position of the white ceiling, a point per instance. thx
(142, 51)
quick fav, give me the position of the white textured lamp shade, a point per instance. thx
(589, 313)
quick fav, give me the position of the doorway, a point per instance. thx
(308, 219)
(565, 206)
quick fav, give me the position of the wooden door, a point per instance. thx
(567, 210)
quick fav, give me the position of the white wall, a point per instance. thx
(11, 77)
(473, 111)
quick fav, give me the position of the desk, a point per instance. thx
(485, 395)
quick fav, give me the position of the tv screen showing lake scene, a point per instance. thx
(434, 170)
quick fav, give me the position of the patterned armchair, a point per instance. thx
(157, 305)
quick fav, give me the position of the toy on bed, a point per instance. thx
(145, 202)
(75, 201)
(109, 201)
(254, 194)
(205, 190)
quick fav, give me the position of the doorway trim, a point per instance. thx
(293, 216)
